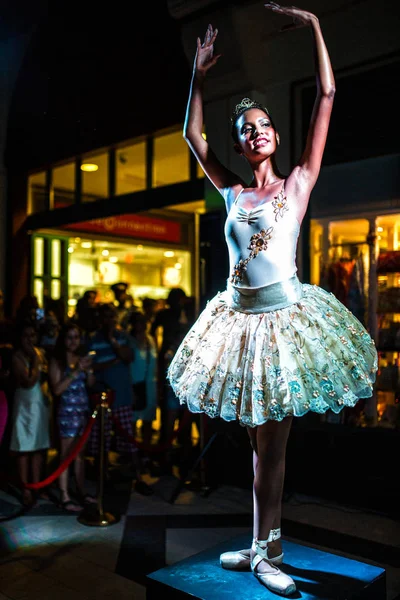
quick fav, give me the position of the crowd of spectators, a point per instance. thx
(52, 369)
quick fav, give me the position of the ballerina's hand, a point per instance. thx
(205, 58)
(300, 17)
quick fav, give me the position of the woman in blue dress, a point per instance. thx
(268, 348)
(70, 374)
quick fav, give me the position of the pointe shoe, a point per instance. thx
(275, 580)
(239, 560)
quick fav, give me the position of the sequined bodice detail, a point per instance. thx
(262, 242)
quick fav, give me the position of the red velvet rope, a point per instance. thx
(82, 440)
(79, 445)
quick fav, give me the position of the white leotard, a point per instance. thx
(276, 256)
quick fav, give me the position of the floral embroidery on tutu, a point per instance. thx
(311, 356)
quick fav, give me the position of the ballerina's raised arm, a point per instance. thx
(307, 169)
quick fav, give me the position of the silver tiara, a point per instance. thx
(244, 105)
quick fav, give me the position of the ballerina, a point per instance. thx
(268, 348)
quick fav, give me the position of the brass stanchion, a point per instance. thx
(94, 515)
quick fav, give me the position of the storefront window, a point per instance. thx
(345, 237)
(344, 255)
(55, 258)
(37, 200)
(388, 274)
(341, 250)
(388, 230)
(316, 244)
(64, 185)
(38, 257)
(171, 163)
(150, 271)
(94, 177)
(130, 169)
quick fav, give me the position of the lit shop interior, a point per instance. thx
(342, 252)
(66, 266)
(150, 271)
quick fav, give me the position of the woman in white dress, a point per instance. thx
(30, 436)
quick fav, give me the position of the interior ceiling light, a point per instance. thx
(86, 244)
(89, 167)
(113, 259)
(169, 254)
(105, 252)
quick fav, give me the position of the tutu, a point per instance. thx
(310, 355)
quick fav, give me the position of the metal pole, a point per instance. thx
(95, 516)
(100, 482)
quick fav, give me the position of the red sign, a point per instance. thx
(134, 226)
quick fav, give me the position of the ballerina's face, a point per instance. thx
(256, 134)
